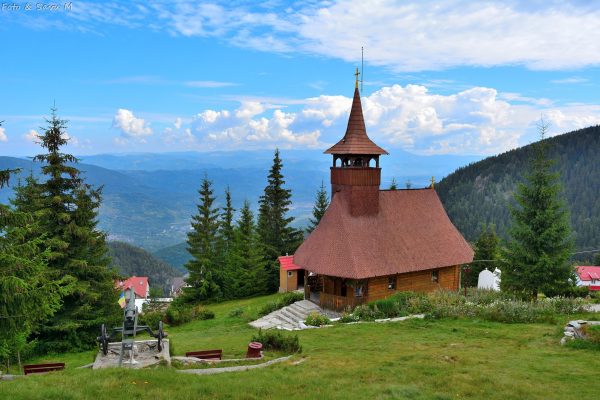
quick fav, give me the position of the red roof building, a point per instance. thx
(371, 243)
(588, 276)
(139, 284)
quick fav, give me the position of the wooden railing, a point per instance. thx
(339, 303)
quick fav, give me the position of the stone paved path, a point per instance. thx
(211, 371)
(291, 317)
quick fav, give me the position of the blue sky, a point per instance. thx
(443, 77)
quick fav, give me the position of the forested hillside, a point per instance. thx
(130, 260)
(176, 255)
(483, 191)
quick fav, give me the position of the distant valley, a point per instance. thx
(149, 198)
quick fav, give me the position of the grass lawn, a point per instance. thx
(415, 359)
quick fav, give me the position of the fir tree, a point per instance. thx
(539, 249)
(205, 277)
(486, 248)
(226, 224)
(274, 228)
(247, 258)
(394, 184)
(28, 293)
(67, 211)
(597, 259)
(321, 203)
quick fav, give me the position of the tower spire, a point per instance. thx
(356, 75)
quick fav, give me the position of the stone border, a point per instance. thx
(212, 371)
(573, 330)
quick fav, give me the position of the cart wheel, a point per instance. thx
(103, 339)
(160, 336)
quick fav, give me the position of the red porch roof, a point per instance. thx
(287, 263)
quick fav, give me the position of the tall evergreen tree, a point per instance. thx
(321, 204)
(247, 263)
(486, 248)
(67, 211)
(205, 276)
(274, 227)
(539, 249)
(226, 223)
(27, 294)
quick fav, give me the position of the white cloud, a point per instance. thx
(177, 123)
(570, 81)
(3, 137)
(405, 36)
(474, 121)
(32, 136)
(131, 126)
(408, 36)
(209, 84)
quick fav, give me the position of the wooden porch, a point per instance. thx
(339, 303)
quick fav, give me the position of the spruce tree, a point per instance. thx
(537, 257)
(205, 276)
(597, 259)
(321, 204)
(67, 211)
(28, 294)
(394, 184)
(486, 248)
(247, 262)
(226, 223)
(274, 227)
(224, 244)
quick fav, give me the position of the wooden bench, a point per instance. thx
(40, 368)
(206, 354)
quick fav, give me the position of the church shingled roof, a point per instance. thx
(356, 141)
(411, 232)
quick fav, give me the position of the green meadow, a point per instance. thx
(414, 359)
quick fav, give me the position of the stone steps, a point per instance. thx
(288, 317)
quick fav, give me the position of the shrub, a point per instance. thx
(485, 304)
(349, 317)
(275, 340)
(593, 333)
(178, 314)
(151, 318)
(236, 312)
(282, 301)
(316, 319)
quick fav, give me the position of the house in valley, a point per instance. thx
(372, 243)
(588, 276)
(140, 286)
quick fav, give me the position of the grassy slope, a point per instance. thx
(413, 360)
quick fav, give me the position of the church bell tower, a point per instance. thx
(355, 169)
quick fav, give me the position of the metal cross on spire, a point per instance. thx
(356, 75)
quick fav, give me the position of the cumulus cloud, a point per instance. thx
(478, 120)
(32, 136)
(130, 126)
(3, 137)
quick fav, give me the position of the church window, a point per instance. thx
(392, 283)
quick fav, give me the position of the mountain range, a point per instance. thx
(148, 198)
(482, 192)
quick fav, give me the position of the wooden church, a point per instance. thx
(371, 242)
